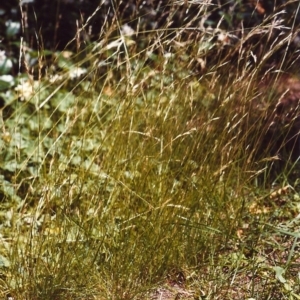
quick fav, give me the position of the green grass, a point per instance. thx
(138, 178)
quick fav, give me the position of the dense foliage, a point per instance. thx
(149, 150)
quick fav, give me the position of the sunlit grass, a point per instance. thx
(143, 175)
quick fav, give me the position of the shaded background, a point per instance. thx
(56, 20)
(53, 24)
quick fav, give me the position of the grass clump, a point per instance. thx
(134, 169)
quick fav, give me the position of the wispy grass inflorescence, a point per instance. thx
(143, 164)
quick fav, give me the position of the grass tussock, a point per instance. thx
(137, 168)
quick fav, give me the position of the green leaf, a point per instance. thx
(4, 262)
(279, 274)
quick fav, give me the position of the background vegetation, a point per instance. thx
(134, 159)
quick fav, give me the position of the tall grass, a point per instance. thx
(141, 173)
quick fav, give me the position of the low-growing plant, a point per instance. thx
(138, 169)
